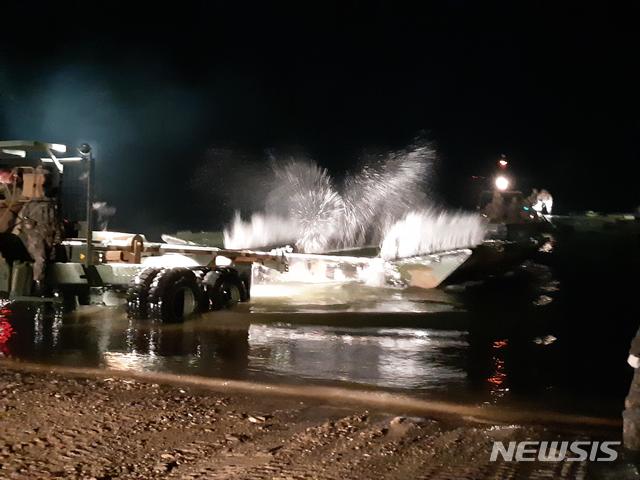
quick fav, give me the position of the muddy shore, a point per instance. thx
(75, 424)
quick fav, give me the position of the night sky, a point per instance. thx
(155, 86)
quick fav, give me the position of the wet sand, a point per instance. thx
(81, 423)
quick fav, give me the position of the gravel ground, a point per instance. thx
(56, 425)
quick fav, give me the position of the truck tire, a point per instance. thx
(204, 303)
(138, 292)
(224, 288)
(245, 277)
(174, 294)
(69, 303)
(243, 281)
(84, 297)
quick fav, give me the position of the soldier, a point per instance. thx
(631, 414)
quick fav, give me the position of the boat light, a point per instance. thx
(502, 183)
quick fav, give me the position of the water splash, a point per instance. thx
(260, 231)
(427, 231)
(304, 193)
(383, 192)
(376, 206)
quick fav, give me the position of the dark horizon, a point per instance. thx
(154, 89)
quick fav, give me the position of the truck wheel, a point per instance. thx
(84, 297)
(138, 292)
(204, 303)
(224, 289)
(174, 294)
(69, 303)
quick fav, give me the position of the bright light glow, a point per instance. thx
(62, 160)
(222, 261)
(503, 163)
(58, 147)
(73, 243)
(429, 231)
(169, 260)
(134, 362)
(11, 151)
(502, 183)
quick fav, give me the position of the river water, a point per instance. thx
(552, 333)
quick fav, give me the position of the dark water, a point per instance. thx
(553, 333)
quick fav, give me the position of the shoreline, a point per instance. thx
(87, 423)
(381, 400)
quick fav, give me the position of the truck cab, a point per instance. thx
(31, 218)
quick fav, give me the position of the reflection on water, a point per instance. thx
(498, 380)
(227, 344)
(383, 337)
(391, 357)
(351, 297)
(544, 333)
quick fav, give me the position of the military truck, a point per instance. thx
(48, 253)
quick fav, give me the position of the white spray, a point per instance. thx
(384, 204)
(260, 230)
(427, 231)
